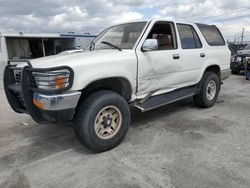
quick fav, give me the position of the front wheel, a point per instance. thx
(102, 120)
(210, 87)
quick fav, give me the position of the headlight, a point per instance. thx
(52, 80)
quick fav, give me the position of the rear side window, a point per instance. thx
(212, 35)
(188, 36)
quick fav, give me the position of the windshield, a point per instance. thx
(247, 47)
(122, 36)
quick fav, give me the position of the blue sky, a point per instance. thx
(148, 12)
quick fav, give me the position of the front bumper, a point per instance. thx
(62, 101)
(24, 97)
(225, 74)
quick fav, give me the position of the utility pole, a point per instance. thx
(242, 35)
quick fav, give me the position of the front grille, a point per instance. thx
(18, 76)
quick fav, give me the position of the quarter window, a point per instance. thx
(188, 36)
(212, 35)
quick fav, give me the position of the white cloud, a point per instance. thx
(93, 16)
(127, 16)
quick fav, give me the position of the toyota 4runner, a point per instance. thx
(144, 64)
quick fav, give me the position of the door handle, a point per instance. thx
(176, 56)
(203, 55)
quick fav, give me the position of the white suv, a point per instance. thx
(143, 64)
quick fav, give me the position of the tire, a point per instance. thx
(93, 123)
(204, 99)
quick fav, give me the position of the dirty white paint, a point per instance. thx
(157, 70)
(150, 71)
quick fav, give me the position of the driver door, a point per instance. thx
(160, 69)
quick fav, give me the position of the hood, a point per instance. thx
(76, 58)
(71, 51)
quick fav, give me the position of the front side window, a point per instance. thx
(122, 36)
(165, 35)
(188, 36)
(212, 35)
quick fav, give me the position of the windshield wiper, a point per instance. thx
(112, 45)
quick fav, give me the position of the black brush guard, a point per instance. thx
(20, 95)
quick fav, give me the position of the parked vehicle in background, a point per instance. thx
(144, 64)
(247, 68)
(245, 52)
(238, 63)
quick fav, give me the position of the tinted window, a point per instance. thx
(188, 36)
(212, 35)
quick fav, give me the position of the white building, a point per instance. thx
(29, 46)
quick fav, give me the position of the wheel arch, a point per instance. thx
(213, 68)
(118, 84)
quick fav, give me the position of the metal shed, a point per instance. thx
(28, 46)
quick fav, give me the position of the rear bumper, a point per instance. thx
(225, 74)
(42, 107)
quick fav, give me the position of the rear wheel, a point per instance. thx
(210, 87)
(102, 120)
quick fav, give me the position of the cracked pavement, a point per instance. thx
(178, 145)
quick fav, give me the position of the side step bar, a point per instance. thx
(166, 98)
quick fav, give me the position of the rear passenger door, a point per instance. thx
(217, 51)
(192, 53)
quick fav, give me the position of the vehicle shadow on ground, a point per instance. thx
(172, 118)
(38, 141)
(41, 141)
(139, 117)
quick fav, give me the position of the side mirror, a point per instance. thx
(150, 45)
